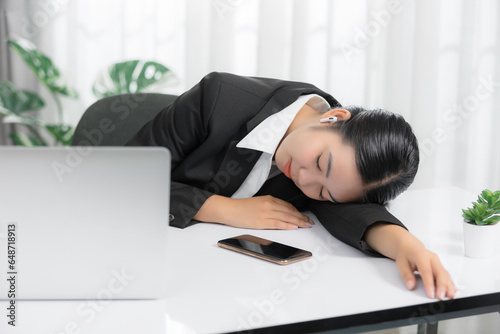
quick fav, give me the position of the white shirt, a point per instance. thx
(266, 137)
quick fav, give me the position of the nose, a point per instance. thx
(306, 177)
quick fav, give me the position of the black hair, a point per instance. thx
(387, 154)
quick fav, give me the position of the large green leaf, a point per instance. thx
(131, 76)
(42, 66)
(16, 101)
(62, 132)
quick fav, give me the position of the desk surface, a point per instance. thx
(216, 290)
(213, 290)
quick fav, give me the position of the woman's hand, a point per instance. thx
(437, 281)
(410, 254)
(262, 212)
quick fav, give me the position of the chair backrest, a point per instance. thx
(112, 121)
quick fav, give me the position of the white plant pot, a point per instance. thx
(479, 240)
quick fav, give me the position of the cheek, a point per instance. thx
(302, 147)
(308, 192)
(289, 147)
(308, 151)
(311, 192)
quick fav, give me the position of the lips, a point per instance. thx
(287, 169)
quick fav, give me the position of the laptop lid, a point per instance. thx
(83, 222)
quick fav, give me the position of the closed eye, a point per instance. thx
(317, 162)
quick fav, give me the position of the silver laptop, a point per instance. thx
(83, 222)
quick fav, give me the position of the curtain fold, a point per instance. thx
(435, 62)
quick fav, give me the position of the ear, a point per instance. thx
(341, 114)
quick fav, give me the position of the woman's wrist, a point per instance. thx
(390, 240)
(213, 210)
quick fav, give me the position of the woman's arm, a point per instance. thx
(262, 212)
(411, 255)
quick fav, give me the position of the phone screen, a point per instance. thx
(265, 249)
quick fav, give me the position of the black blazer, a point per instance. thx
(201, 129)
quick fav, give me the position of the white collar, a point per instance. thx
(266, 136)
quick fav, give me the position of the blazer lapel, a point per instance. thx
(235, 167)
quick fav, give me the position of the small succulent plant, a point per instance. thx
(486, 210)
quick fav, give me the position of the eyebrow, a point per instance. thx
(328, 170)
(329, 166)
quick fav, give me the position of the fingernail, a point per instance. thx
(441, 295)
(432, 293)
(308, 225)
(311, 221)
(409, 285)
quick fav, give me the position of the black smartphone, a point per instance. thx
(264, 249)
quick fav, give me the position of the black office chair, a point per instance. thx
(113, 120)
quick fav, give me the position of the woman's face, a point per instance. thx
(320, 165)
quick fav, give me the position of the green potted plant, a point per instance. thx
(18, 105)
(481, 225)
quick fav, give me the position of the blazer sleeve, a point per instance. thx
(349, 222)
(181, 127)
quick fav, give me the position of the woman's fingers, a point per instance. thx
(427, 275)
(406, 272)
(288, 214)
(444, 284)
(437, 281)
(265, 212)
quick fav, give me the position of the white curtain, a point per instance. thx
(435, 62)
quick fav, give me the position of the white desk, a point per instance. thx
(85, 316)
(213, 290)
